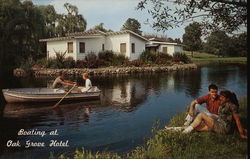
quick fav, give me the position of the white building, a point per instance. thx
(79, 44)
(165, 47)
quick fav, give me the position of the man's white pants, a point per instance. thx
(198, 109)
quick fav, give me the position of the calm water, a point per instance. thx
(121, 120)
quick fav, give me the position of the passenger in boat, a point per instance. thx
(224, 124)
(212, 101)
(88, 84)
(61, 83)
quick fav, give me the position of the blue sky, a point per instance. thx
(113, 13)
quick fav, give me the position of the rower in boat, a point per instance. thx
(61, 83)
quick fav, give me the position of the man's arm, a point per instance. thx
(191, 108)
(67, 83)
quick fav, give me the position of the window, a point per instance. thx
(103, 47)
(82, 47)
(165, 50)
(70, 47)
(133, 47)
(123, 48)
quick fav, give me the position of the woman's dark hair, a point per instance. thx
(226, 94)
(231, 95)
(212, 86)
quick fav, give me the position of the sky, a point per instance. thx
(113, 13)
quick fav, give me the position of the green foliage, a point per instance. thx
(178, 56)
(60, 61)
(27, 64)
(227, 15)
(90, 64)
(70, 22)
(100, 27)
(106, 56)
(21, 28)
(133, 25)
(90, 56)
(218, 43)
(192, 37)
(148, 56)
(119, 60)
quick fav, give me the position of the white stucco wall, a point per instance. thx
(60, 46)
(178, 48)
(91, 45)
(139, 47)
(170, 49)
(113, 43)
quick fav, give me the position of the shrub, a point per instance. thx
(164, 55)
(27, 64)
(148, 56)
(42, 62)
(90, 64)
(90, 56)
(106, 56)
(178, 56)
(119, 59)
(162, 61)
(136, 63)
(69, 62)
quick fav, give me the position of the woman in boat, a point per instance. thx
(228, 116)
(61, 83)
(88, 84)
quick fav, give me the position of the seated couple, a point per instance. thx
(65, 85)
(219, 115)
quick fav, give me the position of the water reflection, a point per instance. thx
(129, 103)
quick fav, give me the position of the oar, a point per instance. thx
(56, 105)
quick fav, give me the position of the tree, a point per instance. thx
(50, 16)
(21, 28)
(225, 15)
(100, 27)
(177, 40)
(133, 25)
(218, 43)
(192, 37)
(240, 45)
(71, 22)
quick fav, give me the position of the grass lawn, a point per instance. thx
(205, 57)
(196, 145)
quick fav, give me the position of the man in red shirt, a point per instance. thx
(212, 101)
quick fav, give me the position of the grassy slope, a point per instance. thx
(197, 145)
(204, 57)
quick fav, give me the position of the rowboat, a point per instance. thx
(20, 95)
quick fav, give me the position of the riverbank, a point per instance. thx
(165, 144)
(104, 71)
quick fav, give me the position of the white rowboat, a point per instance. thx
(20, 95)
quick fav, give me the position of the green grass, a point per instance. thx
(199, 57)
(168, 145)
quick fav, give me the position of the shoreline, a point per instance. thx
(103, 71)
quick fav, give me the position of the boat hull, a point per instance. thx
(45, 95)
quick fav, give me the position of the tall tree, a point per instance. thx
(50, 17)
(218, 43)
(192, 37)
(133, 25)
(226, 15)
(21, 27)
(70, 22)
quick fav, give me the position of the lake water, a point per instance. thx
(121, 120)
